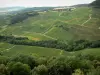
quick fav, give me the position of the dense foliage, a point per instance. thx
(71, 46)
(19, 17)
(9, 38)
(59, 65)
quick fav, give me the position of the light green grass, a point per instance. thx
(60, 34)
(30, 50)
(11, 50)
(93, 51)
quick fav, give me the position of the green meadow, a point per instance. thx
(13, 50)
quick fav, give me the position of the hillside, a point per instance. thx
(77, 24)
(63, 26)
(44, 41)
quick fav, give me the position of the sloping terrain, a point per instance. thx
(77, 24)
(81, 23)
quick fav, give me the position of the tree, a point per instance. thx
(26, 59)
(40, 70)
(4, 60)
(42, 60)
(78, 72)
(94, 71)
(18, 68)
(58, 66)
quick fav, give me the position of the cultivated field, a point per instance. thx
(81, 24)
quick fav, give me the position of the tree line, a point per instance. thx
(70, 46)
(9, 38)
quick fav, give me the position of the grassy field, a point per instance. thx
(12, 50)
(94, 51)
(59, 34)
